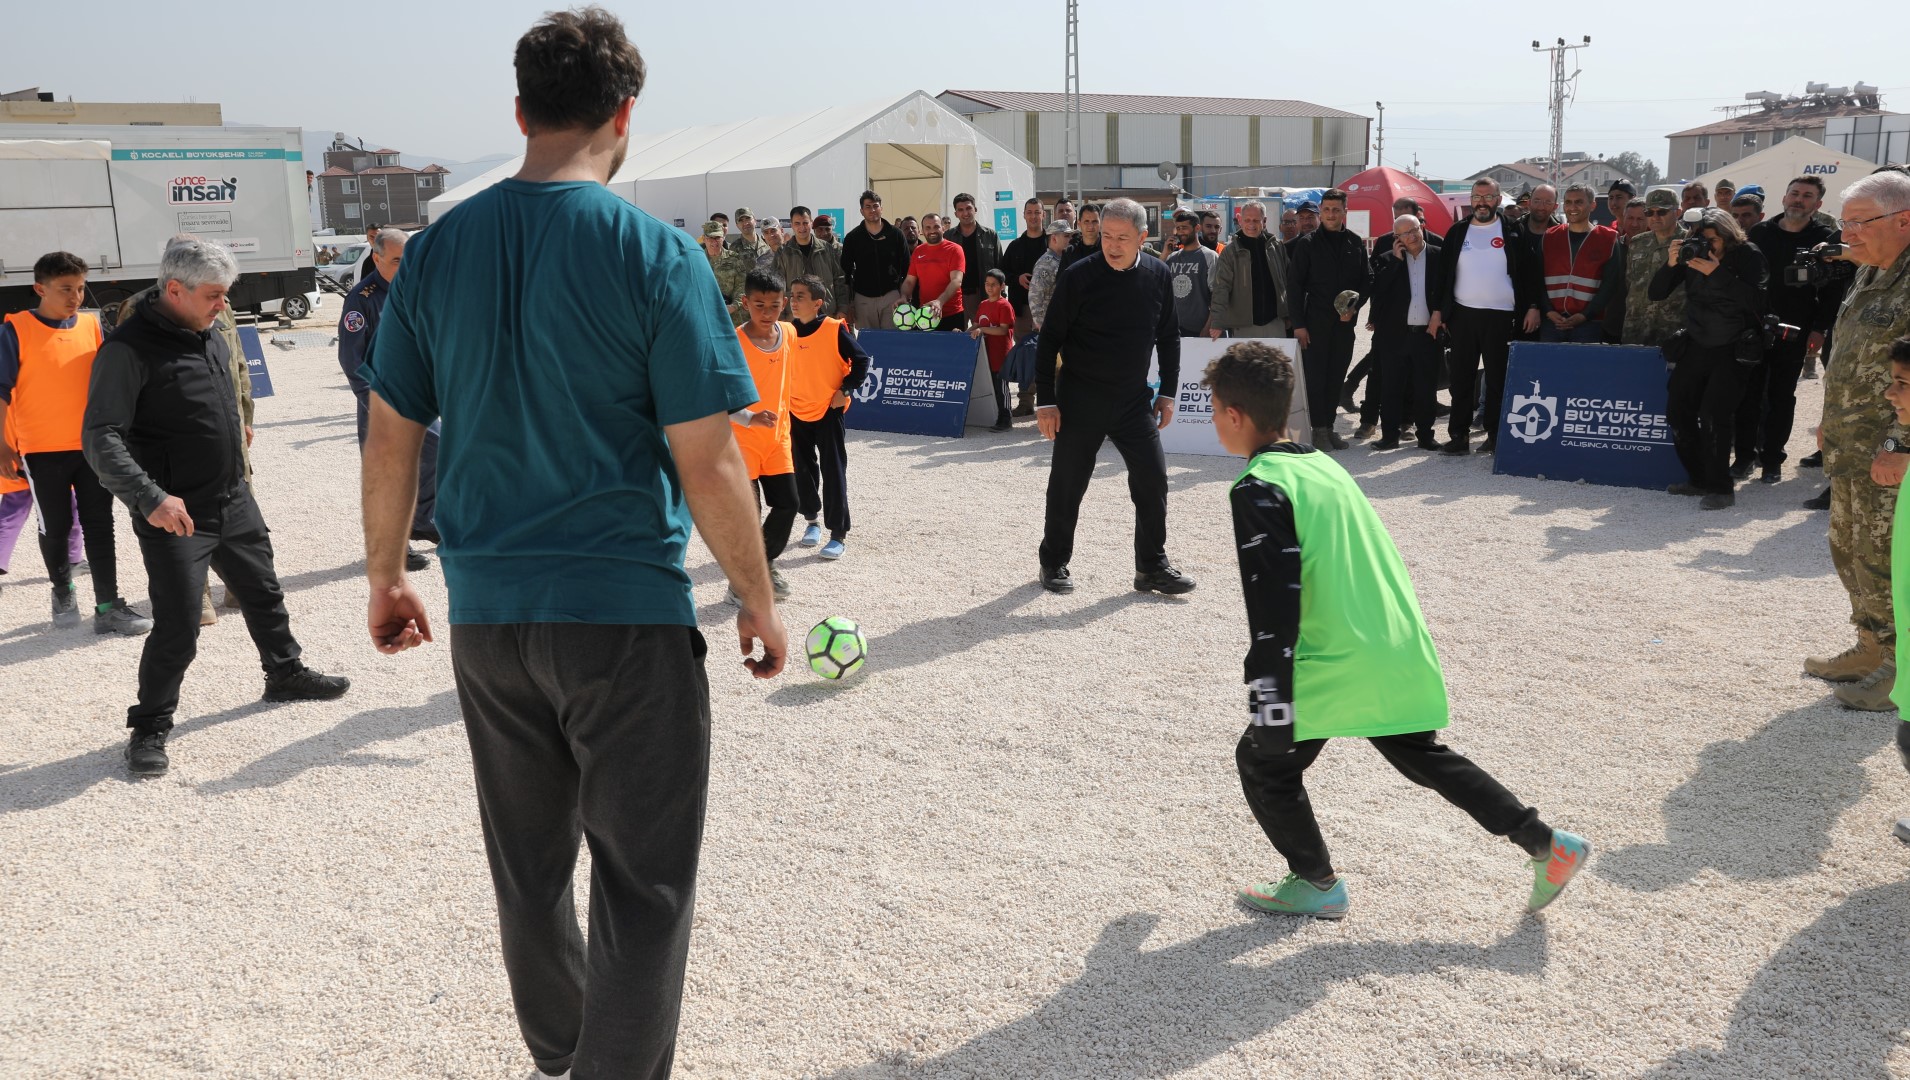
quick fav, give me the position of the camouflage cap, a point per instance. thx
(1664, 197)
(713, 229)
(1346, 301)
(743, 212)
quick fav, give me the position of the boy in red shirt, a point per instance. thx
(935, 275)
(995, 326)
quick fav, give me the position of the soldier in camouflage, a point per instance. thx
(1862, 456)
(747, 239)
(731, 266)
(1647, 321)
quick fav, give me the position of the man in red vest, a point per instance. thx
(1576, 286)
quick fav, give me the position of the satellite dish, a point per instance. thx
(1167, 171)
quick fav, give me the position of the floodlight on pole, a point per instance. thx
(1563, 87)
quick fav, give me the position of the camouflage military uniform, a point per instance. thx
(756, 249)
(731, 268)
(1875, 312)
(1648, 321)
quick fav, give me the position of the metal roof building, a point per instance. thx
(1217, 143)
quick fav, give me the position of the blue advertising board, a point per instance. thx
(919, 382)
(1005, 217)
(255, 361)
(1587, 412)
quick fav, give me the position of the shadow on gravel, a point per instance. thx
(934, 639)
(345, 743)
(1832, 1002)
(41, 786)
(1134, 1013)
(1760, 809)
(342, 418)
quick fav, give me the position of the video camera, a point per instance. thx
(1813, 266)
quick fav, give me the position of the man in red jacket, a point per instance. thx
(1577, 288)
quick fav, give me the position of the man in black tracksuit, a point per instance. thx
(162, 431)
(1321, 265)
(1110, 310)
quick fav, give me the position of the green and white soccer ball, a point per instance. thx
(836, 648)
(910, 317)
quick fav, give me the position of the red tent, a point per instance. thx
(1375, 189)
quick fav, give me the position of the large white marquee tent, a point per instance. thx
(916, 152)
(1775, 166)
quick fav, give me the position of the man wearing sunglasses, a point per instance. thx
(1647, 321)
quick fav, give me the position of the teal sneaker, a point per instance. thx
(1296, 895)
(811, 536)
(1551, 874)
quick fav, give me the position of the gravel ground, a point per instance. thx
(1008, 849)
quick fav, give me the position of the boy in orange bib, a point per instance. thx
(762, 433)
(46, 364)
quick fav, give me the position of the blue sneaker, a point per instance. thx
(1295, 895)
(831, 550)
(811, 536)
(1552, 873)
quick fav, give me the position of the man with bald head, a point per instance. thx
(1406, 282)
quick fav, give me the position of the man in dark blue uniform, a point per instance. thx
(357, 328)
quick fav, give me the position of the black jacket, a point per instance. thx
(1320, 266)
(1393, 288)
(1528, 280)
(980, 253)
(1720, 305)
(162, 417)
(874, 265)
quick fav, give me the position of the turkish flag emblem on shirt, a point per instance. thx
(1498, 241)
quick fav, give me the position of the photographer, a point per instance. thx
(1723, 334)
(1862, 458)
(1803, 296)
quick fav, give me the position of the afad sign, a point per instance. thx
(1822, 170)
(202, 190)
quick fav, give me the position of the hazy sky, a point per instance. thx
(440, 81)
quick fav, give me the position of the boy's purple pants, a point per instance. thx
(14, 508)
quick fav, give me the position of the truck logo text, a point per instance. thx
(187, 190)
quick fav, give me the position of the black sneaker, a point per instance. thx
(66, 606)
(1456, 448)
(427, 535)
(1771, 474)
(304, 684)
(1718, 500)
(1683, 488)
(1056, 579)
(416, 560)
(1387, 442)
(1167, 581)
(146, 754)
(1003, 424)
(121, 619)
(1743, 469)
(1427, 442)
(1490, 446)
(1820, 502)
(1814, 461)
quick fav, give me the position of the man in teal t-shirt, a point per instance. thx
(1339, 649)
(580, 357)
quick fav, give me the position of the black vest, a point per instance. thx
(186, 432)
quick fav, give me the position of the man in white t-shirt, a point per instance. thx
(1489, 292)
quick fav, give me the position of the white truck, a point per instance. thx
(115, 195)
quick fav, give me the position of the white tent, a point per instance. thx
(918, 153)
(1775, 167)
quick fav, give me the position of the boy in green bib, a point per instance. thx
(1339, 649)
(1898, 394)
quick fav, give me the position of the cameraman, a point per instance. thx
(1723, 334)
(1803, 293)
(1861, 457)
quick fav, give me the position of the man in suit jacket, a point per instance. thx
(1405, 340)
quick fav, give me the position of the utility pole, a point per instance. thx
(1563, 85)
(1071, 169)
(1379, 147)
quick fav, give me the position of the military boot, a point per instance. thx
(1873, 693)
(1850, 665)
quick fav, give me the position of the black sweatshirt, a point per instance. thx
(1722, 304)
(1800, 305)
(1109, 322)
(875, 265)
(847, 345)
(1320, 266)
(1268, 543)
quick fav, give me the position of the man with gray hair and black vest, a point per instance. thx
(1112, 311)
(162, 431)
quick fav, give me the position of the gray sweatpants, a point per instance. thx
(600, 734)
